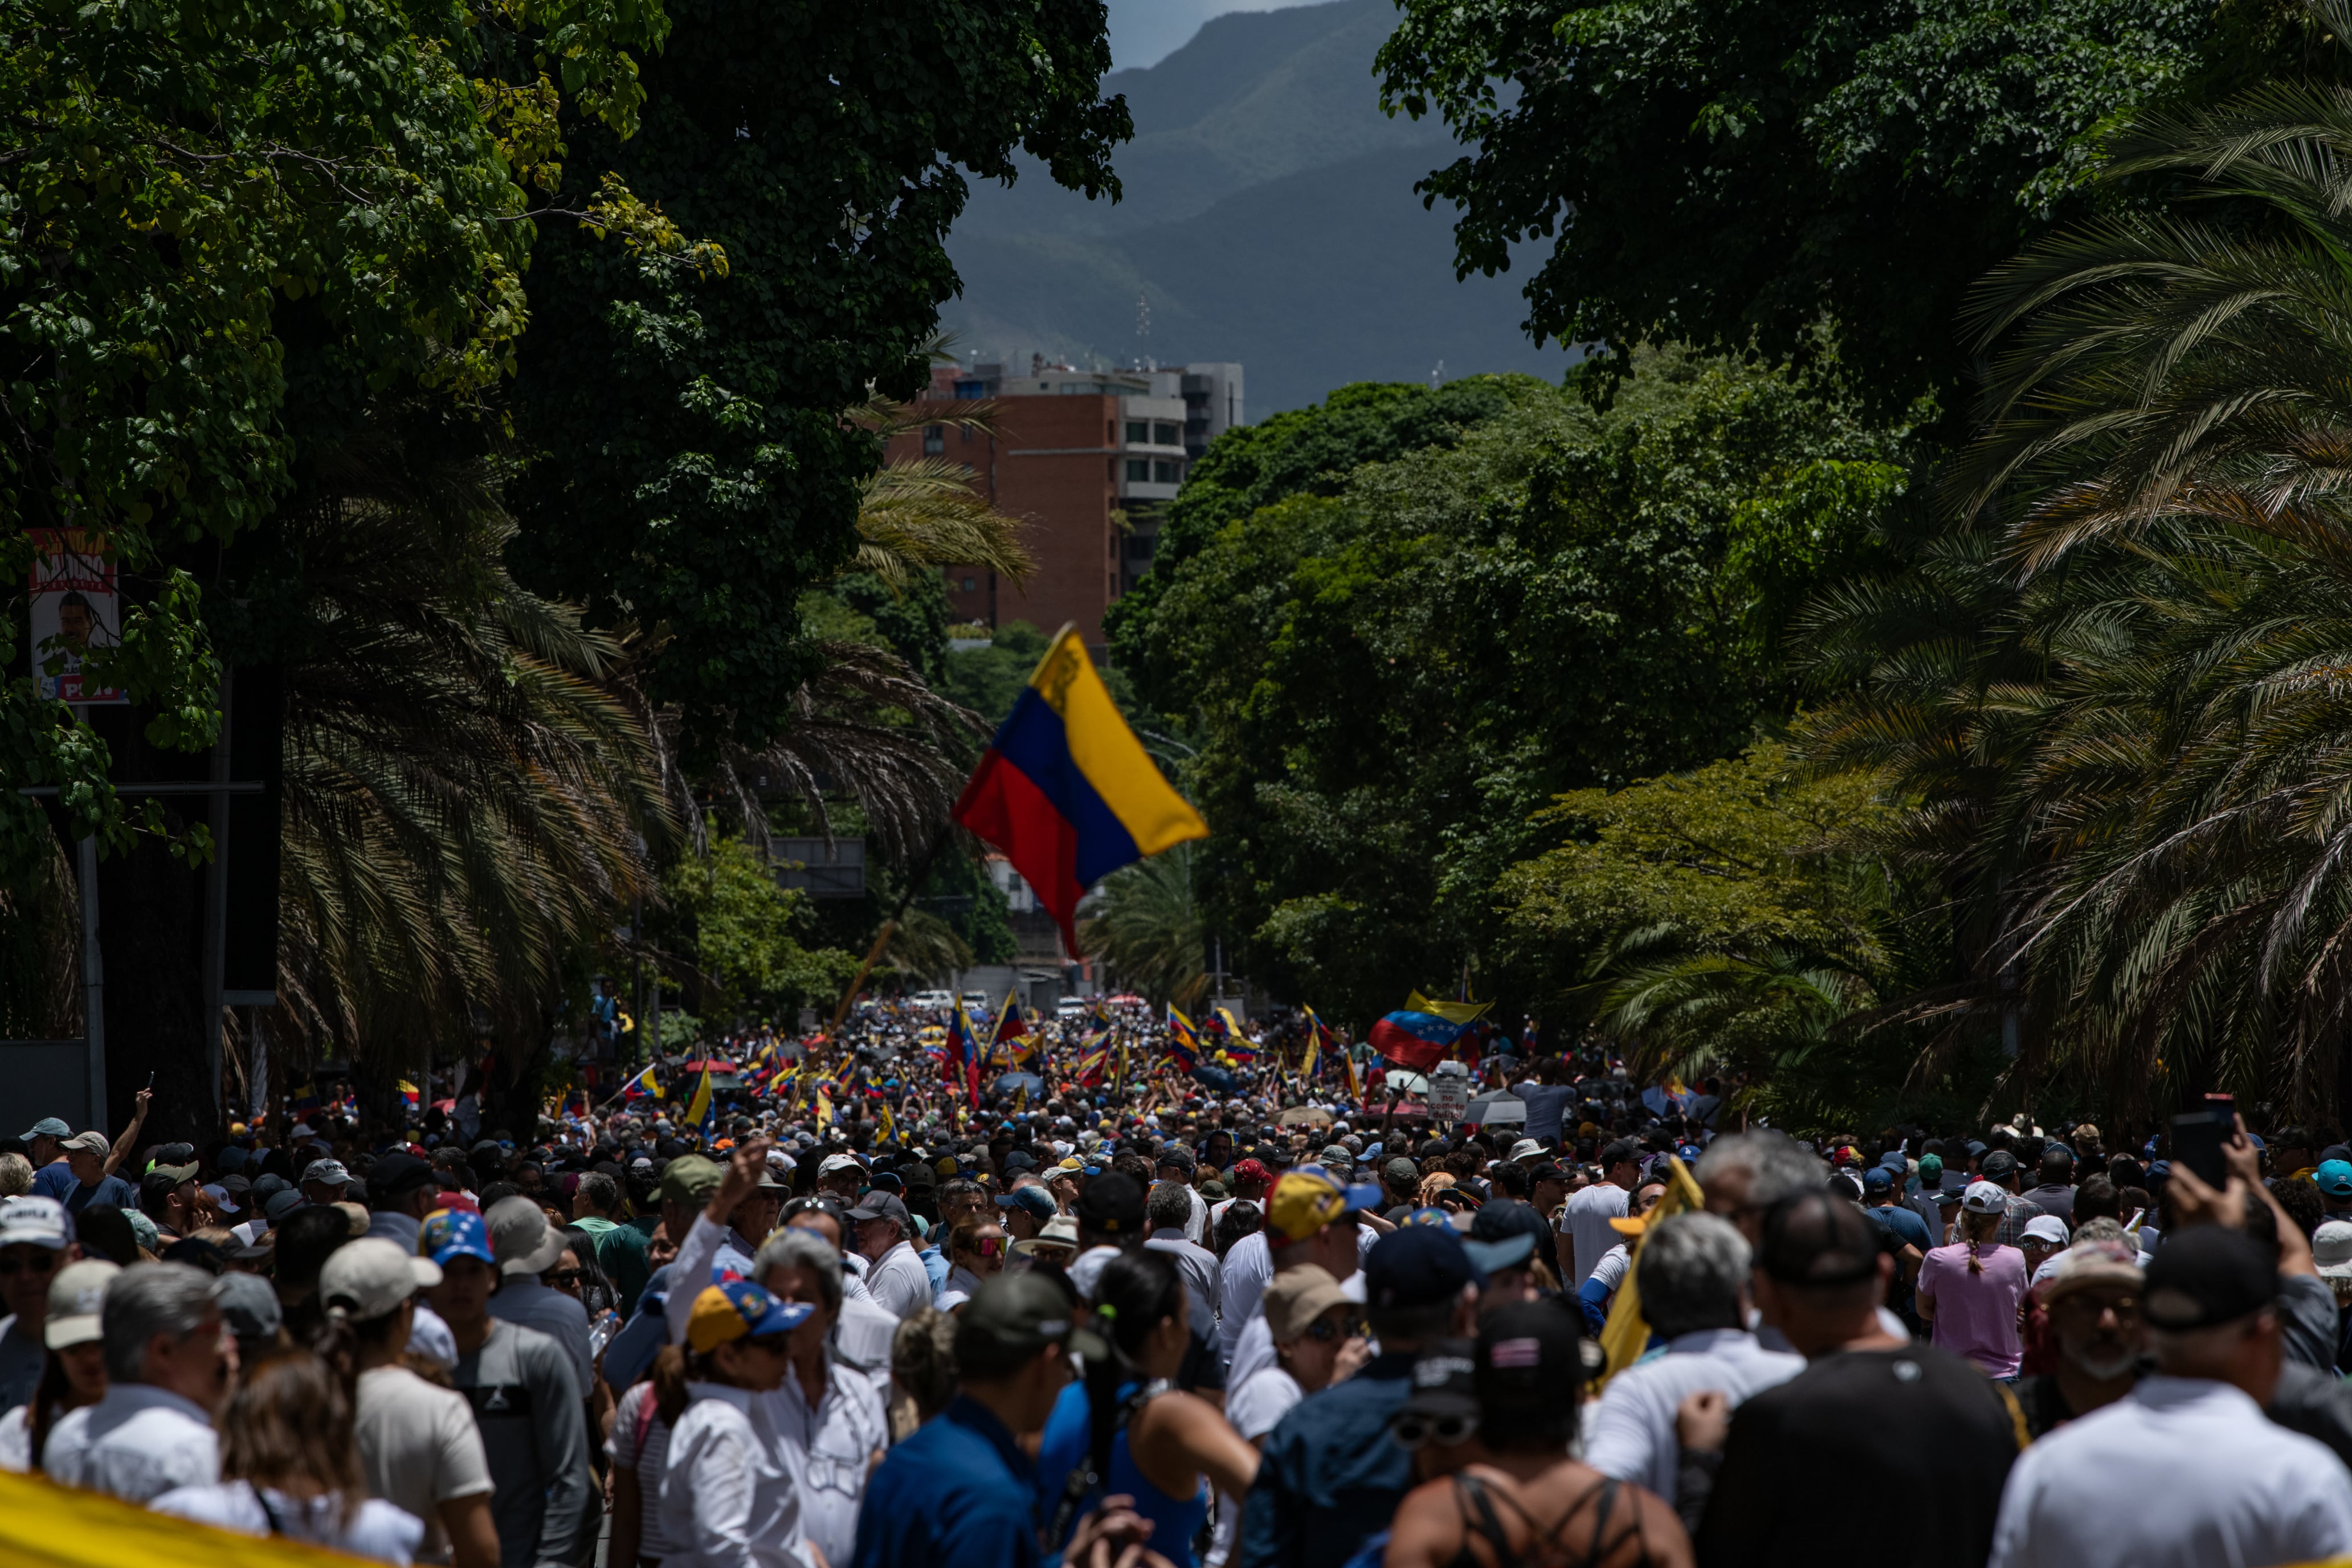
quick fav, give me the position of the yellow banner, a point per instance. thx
(44, 1525)
(1627, 1332)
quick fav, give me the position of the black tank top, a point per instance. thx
(1544, 1548)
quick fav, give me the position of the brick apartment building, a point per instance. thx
(1090, 459)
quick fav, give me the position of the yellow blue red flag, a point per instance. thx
(1066, 789)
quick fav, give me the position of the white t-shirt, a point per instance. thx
(1587, 1224)
(16, 1440)
(1254, 1407)
(375, 1529)
(1631, 1435)
(2210, 1480)
(418, 1449)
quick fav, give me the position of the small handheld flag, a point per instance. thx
(643, 1086)
(701, 1112)
(1183, 1043)
(1066, 789)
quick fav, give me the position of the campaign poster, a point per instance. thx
(75, 609)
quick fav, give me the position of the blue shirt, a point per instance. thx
(1332, 1475)
(54, 1180)
(111, 1192)
(956, 1494)
(1069, 1432)
(936, 1266)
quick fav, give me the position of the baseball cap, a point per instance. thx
(884, 1206)
(1012, 1317)
(1310, 1197)
(29, 1221)
(1814, 1238)
(1113, 1205)
(397, 1174)
(280, 1205)
(327, 1173)
(48, 1127)
(1505, 1234)
(1531, 1361)
(1998, 1165)
(1296, 1298)
(76, 1300)
(1878, 1179)
(738, 1310)
(1037, 1200)
(2331, 1249)
(525, 1243)
(831, 1163)
(1444, 1384)
(1524, 1148)
(455, 1233)
(689, 1179)
(1983, 1197)
(223, 1198)
(175, 1175)
(2205, 1275)
(2046, 1227)
(91, 1143)
(1931, 1168)
(1417, 1265)
(371, 1276)
(249, 1306)
(2334, 1177)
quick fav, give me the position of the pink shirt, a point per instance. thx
(1976, 1314)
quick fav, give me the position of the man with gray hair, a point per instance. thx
(171, 1361)
(828, 1411)
(1692, 1273)
(1744, 1173)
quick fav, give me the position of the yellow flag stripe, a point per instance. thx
(1107, 751)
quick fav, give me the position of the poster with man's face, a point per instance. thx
(75, 609)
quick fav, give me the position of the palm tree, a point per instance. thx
(469, 803)
(2120, 683)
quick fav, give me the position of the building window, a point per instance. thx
(935, 440)
(972, 389)
(1069, 389)
(1139, 469)
(1167, 436)
(1165, 472)
(970, 583)
(1138, 432)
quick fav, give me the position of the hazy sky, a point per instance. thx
(1143, 31)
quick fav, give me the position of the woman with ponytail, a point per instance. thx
(1969, 1292)
(1127, 1430)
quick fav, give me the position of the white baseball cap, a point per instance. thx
(327, 1173)
(833, 1163)
(2047, 1228)
(76, 1300)
(29, 1221)
(1985, 1197)
(371, 1276)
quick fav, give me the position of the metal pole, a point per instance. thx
(217, 903)
(93, 985)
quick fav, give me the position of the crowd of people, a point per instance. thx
(1125, 1328)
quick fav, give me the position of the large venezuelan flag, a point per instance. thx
(1066, 789)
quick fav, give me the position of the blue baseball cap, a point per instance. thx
(1037, 1200)
(456, 1233)
(2334, 1177)
(1878, 1179)
(1417, 1265)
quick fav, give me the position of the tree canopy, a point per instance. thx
(1730, 174)
(1397, 654)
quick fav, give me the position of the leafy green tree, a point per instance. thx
(1729, 173)
(743, 931)
(1386, 681)
(1146, 926)
(692, 470)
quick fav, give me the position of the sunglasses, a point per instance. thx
(39, 1262)
(1418, 1431)
(989, 1246)
(566, 1278)
(1323, 1334)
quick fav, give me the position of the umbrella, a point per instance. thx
(1012, 1082)
(1499, 1105)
